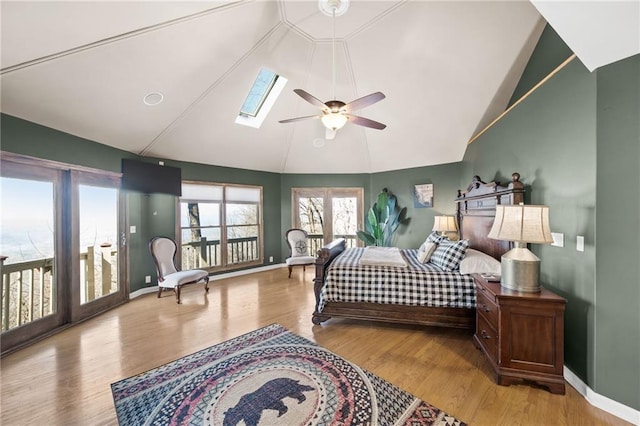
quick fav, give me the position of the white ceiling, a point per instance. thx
(446, 68)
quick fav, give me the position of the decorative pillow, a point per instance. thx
(425, 255)
(477, 262)
(300, 249)
(449, 254)
(434, 237)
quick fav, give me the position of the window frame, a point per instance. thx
(328, 194)
(225, 264)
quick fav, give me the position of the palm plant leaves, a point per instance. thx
(383, 220)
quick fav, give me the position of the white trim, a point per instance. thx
(609, 405)
(154, 289)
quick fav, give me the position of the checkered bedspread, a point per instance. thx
(416, 285)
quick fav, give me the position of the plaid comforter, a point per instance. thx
(416, 285)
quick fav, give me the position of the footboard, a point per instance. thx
(325, 256)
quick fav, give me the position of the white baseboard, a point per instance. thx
(154, 289)
(609, 405)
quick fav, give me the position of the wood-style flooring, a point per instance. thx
(65, 379)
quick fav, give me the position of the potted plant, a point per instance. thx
(383, 220)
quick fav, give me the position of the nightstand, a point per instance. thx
(521, 334)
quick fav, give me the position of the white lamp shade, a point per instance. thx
(444, 224)
(522, 223)
(334, 120)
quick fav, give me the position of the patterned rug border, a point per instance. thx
(206, 387)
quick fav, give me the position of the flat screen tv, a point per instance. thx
(151, 178)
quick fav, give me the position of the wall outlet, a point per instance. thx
(147, 279)
(580, 243)
(132, 229)
(558, 239)
(270, 259)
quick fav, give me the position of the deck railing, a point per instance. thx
(207, 253)
(28, 292)
(28, 288)
(316, 241)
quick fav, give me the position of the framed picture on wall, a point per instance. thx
(423, 195)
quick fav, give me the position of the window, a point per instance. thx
(327, 214)
(263, 93)
(220, 225)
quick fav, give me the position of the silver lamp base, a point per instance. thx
(520, 270)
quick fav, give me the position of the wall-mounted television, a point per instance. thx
(151, 178)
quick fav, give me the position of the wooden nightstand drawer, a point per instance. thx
(487, 308)
(487, 337)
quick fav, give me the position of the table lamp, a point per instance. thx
(521, 224)
(444, 224)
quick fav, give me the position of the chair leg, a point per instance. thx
(177, 290)
(290, 269)
(159, 291)
(206, 285)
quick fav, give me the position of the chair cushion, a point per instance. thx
(300, 260)
(183, 277)
(298, 242)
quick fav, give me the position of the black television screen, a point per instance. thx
(151, 178)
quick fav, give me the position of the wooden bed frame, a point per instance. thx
(475, 211)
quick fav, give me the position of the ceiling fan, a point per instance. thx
(335, 113)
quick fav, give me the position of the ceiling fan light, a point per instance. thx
(334, 120)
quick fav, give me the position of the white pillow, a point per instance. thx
(425, 251)
(477, 262)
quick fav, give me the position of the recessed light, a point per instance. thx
(153, 98)
(318, 143)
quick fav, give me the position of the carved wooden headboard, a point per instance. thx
(476, 210)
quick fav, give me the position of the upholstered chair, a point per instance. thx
(163, 250)
(298, 242)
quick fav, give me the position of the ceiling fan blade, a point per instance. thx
(330, 134)
(311, 99)
(291, 120)
(364, 101)
(361, 121)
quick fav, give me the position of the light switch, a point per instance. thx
(132, 229)
(558, 239)
(580, 243)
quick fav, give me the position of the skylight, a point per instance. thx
(263, 93)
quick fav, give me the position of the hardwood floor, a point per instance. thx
(65, 379)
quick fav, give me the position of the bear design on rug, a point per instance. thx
(268, 397)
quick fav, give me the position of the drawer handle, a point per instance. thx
(484, 335)
(485, 308)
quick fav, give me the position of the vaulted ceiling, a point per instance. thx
(447, 69)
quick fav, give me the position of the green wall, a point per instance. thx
(574, 141)
(550, 52)
(400, 182)
(617, 331)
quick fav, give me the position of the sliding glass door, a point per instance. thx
(97, 245)
(30, 247)
(61, 246)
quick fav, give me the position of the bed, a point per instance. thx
(447, 299)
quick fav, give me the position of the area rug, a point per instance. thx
(267, 377)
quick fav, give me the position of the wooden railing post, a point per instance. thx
(5, 295)
(203, 252)
(90, 275)
(106, 268)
